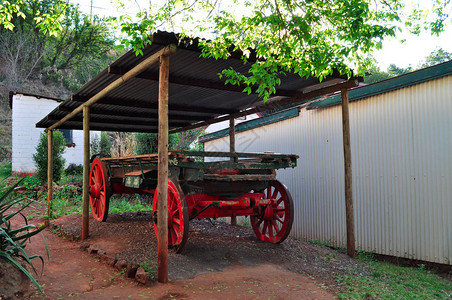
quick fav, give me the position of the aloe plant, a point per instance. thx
(13, 240)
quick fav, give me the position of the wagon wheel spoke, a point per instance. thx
(270, 229)
(275, 226)
(275, 193)
(277, 218)
(176, 221)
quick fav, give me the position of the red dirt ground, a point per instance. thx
(73, 273)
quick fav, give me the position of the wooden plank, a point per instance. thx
(86, 168)
(236, 154)
(142, 157)
(348, 175)
(49, 175)
(126, 77)
(273, 105)
(162, 181)
(235, 165)
(241, 177)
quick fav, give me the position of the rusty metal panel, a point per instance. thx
(402, 170)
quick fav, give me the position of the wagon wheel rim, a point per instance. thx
(99, 190)
(272, 223)
(178, 221)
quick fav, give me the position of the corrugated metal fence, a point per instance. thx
(402, 170)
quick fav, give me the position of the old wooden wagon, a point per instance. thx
(243, 185)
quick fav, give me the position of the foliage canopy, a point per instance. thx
(307, 37)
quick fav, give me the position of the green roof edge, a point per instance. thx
(388, 85)
(287, 114)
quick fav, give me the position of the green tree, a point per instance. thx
(437, 56)
(310, 37)
(52, 39)
(40, 157)
(393, 70)
(101, 145)
(374, 74)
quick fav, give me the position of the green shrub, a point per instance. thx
(146, 143)
(30, 183)
(13, 240)
(187, 140)
(40, 157)
(74, 169)
(101, 146)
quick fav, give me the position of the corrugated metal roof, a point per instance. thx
(195, 91)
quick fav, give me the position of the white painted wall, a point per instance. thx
(26, 112)
(402, 170)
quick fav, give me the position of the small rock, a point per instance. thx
(141, 276)
(108, 260)
(131, 270)
(119, 265)
(92, 249)
(84, 245)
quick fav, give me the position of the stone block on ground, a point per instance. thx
(142, 276)
(120, 265)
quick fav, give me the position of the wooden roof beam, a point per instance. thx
(153, 105)
(107, 127)
(216, 85)
(122, 121)
(143, 113)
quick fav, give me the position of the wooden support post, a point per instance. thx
(162, 181)
(232, 149)
(348, 175)
(86, 159)
(49, 175)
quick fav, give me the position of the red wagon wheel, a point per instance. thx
(273, 223)
(177, 216)
(99, 190)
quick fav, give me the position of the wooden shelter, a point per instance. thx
(169, 89)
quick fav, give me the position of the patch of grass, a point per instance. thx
(389, 281)
(70, 178)
(245, 222)
(68, 202)
(132, 204)
(5, 169)
(324, 243)
(147, 268)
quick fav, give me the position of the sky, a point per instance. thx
(410, 53)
